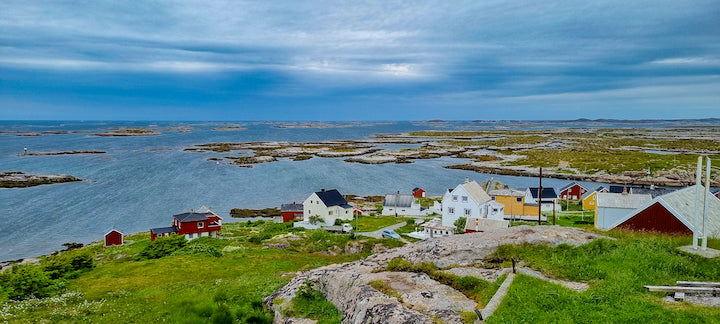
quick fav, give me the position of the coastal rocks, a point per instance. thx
(17, 179)
(62, 153)
(348, 286)
(123, 132)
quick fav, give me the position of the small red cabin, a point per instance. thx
(418, 193)
(573, 191)
(290, 212)
(113, 237)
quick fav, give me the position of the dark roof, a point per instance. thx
(416, 189)
(547, 193)
(291, 207)
(331, 197)
(618, 189)
(190, 217)
(163, 230)
(570, 185)
(654, 192)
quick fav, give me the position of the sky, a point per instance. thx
(359, 60)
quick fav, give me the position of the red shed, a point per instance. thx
(290, 212)
(418, 193)
(113, 237)
(572, 191)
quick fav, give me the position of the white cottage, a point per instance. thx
(469, 200)
(328, 206)
(403, 205)
(549, 198)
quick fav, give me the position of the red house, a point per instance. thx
(290, 212)
(418, 193)
(572, 191)
(193, 225)
(113, 237)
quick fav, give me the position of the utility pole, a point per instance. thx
(540, 199)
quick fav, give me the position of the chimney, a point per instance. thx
(398, 192)
(467, 179)
(323, 189)
(625, 192)
(652, 187)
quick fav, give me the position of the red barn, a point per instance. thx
(418, 193)
(290, 212)
(573, 191)
(192, 225)
(113, 237)
(674, 214)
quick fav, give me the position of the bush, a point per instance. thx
(311, 303)
(60, 266)
(460, 225)
(199, 249)
(163, 246)
(27, 281)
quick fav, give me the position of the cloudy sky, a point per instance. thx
(354, 60)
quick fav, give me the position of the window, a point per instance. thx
(451, 210)
(454, 198)
(492, 198)
(201, 224)
(495, 210)
(518, 199)
(467, 212)
(330, 212)
(464, 198)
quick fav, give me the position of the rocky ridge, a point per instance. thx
(422, 298)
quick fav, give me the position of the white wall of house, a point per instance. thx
(459, 203)
(413, 210)
(314, 206)
(546, 206)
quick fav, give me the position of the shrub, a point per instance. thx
(460, 225)
(163, 246)
(311, 303)
(199, 249)
(27, 281)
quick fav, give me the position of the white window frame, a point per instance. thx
(201, 224)
(468, 212)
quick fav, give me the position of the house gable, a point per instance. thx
(656, 218)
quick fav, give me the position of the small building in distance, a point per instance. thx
(328, 206)
(515, 206)
(193, 225)
(418, 193)
(289, 213)
(401, 205)
(467, 200)
(589, 199)
(113, 236)
(612, 207)
(572, 191)
(549, 198)
(674, 213)
(435, 228)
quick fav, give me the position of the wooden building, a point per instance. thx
(114, 236)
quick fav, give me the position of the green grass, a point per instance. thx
(385, 288)
(616, 271)
(311, 303)
(188, 287)
(374, 223)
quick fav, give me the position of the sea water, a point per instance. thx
(142, 181)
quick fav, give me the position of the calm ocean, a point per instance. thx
(142, 181)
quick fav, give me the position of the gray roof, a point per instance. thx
(291, 207)
(618, 200)
(163, 230)
(654, 191)
(476, 191)
(398, 200)
(681, 203)
(190, 217)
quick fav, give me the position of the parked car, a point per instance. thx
(390, 234)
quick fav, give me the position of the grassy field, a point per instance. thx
(188, 287)
(374, 223)
(616, 270)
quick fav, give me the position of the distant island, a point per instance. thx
(18, 179)
(62, 153)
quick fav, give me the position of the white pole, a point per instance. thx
(696, 226)
(705, 198)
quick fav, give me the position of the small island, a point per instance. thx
(18, 179)
(62, 153)
(121, 132)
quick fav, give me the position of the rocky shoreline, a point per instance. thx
(18, 179)
(62, 153)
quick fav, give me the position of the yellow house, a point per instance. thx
(589, 200)
(514, 202)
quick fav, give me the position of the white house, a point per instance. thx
(549, 198)
(613, 207)
(469, 200)
(397, 204)
(328, 206)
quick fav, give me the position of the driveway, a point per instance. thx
(378, 233)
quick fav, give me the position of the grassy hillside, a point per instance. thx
(189, 286)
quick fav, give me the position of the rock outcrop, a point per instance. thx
(421, 299)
